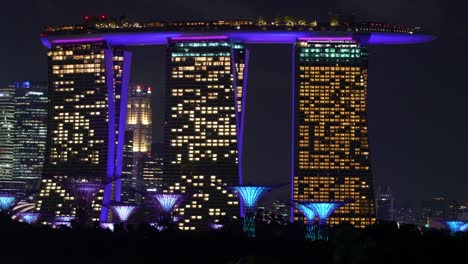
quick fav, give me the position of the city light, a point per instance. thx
(324, 210)
(308, 212)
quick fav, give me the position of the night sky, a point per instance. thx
(417, 94)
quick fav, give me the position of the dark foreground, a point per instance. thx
(382, 243)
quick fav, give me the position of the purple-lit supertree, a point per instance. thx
(123, 211)
(309, 214)
(63, 220)
(7, 200)
(83, 192)
(249, 196)
(29, 217)
(167, 202)
(323, 211)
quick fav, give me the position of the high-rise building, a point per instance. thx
(7, 125)
(129, 182)
(330, 139)
(385, 204)
(88, 90)
(152, 173)
(30, 133)
(202, 126)
(139, 117)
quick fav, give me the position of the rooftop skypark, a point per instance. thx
(286, 30)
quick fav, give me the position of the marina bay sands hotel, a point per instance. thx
(206, 96)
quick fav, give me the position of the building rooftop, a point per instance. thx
(124, 32)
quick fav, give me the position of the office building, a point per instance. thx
(30, 117)
(385, 204)
(7, 125)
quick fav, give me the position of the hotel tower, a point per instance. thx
(88, 90)
(330, 139)
(203, 126)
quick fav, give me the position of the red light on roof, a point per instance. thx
(103, 17)
(86, 17)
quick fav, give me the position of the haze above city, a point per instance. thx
(416, 104)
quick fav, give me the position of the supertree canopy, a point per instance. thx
(455, 226)
(123, 211)
(309, 214)
(64, 220)
(323, 211)
(6, 201)
(29, 217)
(84, 190)
(249, 195)
(166, 201)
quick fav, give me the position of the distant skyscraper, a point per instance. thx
(139, 117)
(129, 182)
(202, 131)
(30, 132)
(331, 152)
(88, 90)
(152, 173)
(7, 124)
(385, 204)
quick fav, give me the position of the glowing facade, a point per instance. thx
(139, 117)
(88, 90)
(249, 195)
(152, 173)
(30, 133)
(129, 179)
(330, 139)
(7, 125)
(202, 126)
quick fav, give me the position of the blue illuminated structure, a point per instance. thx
(166, 202)
(249, 196)
(6, 201)
(310, 215)
(323, 211)
(123, 211)
(29, 217)
(455, 226)
(464, 228)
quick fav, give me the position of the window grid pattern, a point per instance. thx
(331, 138)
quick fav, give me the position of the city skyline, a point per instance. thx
(384, 175)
